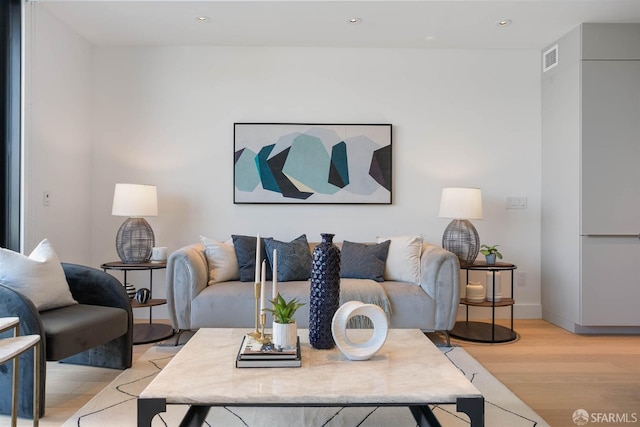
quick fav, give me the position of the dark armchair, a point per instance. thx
(98, 331)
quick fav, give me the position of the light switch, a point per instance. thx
(516, 202)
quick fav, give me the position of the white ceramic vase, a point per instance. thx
(363, 350)
(475, 292)
(285, 335)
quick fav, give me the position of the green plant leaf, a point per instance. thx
(282, 310)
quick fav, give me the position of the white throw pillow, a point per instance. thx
(39, 276)
(221, 257)
(403, 259)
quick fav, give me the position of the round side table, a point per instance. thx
(144, 333)
(482, 331)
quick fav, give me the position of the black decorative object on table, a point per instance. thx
(324, 299)
(143, 295)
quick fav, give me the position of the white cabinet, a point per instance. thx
(610, 294)
(591, 181)
(610, 147)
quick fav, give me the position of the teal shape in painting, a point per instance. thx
(339, 172)
(308, 165)
(245, 171)
(264, 171)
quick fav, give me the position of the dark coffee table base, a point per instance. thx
(196, 415)
(482, 332)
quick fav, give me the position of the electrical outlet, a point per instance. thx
(516, 202)
(46, 198)
(522, 278)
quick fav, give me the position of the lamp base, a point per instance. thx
(135, 240)
(461, 238)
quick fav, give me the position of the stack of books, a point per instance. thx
(254, 354)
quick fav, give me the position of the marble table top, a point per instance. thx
(409, 369)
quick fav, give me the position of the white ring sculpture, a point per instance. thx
(359, 351)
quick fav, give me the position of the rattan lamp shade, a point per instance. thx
(135, 238)
(460, 236)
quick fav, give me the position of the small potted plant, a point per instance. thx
(285, 331)
(490, 253)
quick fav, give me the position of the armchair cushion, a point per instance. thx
(76, 328)
(39, 276)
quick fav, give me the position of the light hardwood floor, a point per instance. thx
(556, 372)
(553, 371)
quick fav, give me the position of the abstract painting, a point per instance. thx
(312, 163)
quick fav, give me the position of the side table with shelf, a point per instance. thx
(482, 331)
(144, 333)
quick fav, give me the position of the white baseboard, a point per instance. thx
(580, 329)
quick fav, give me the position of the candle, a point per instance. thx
(257, 277)
(274, 292)
(262, 283)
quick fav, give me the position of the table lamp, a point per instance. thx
(460, 236)
(135, 238)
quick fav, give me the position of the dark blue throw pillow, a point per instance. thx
(360, 261)
(245, 247)
(294, 258)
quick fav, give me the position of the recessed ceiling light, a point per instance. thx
(202, 18)
(354, 20)
(503, 22)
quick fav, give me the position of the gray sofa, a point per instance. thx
(430, 305)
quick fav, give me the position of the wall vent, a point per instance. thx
(550, 58)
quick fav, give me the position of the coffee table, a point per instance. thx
(408, 370)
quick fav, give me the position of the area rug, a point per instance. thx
(116, 404)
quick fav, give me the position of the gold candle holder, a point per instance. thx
(256, 291)
(263, 338)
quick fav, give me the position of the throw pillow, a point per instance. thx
(360, 261)
(39, 276)
(245, 247)
(294, 258)
(222, 261)
(403, 260)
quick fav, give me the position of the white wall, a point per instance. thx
(164, 116)
(57, 142)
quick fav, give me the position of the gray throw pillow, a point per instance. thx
(360, 261)
(245, 247)
(294, 258)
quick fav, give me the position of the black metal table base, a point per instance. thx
(196, 415)
(482, 332)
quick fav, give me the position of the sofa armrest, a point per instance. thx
(187, 276)
(440, 279)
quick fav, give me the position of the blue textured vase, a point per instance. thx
(324, 299)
